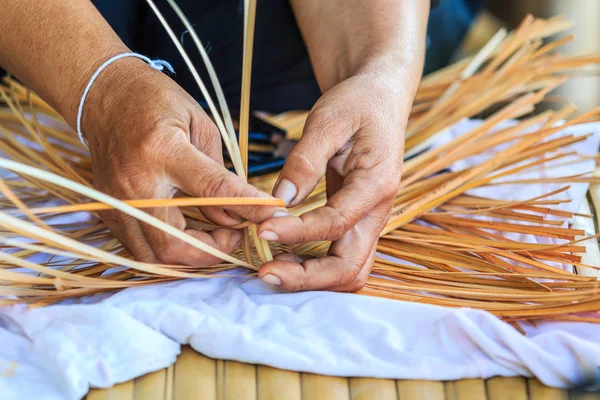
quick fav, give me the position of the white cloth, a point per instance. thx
(59, 352)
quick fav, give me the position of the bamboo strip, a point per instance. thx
(439, 246)
(152, 203)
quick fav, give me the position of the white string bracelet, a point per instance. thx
(158, 65)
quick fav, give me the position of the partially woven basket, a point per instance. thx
(439, 246)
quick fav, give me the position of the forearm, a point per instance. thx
(363, 36)
(54, 46)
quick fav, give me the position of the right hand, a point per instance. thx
(149, 139)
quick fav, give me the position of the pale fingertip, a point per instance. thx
(286, 191)
(281, 213)
(271, 279)
(268, 235)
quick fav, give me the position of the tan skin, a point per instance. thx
(149, 139)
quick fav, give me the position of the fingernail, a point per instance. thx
(269, 235)
(286, 191)
(271, 280)
(281, 213)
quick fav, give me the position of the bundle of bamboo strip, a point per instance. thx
(439, 246)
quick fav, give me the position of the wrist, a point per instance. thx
(66, 99)
(389, 63)
(104, 101)
(344, 40)
(390, 78)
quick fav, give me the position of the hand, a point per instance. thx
(354, 136)
(150, 139)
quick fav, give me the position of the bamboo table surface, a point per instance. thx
(196, 377)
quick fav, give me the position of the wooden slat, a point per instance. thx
(151, 386)
(466, 389)
(220, 379)
(501, 388)
(239, 381)
(319, 387)
(584, 396)
(376, 389)
(170, 382)
(122, 391)
(539, 391)
(195, 376)
(420, 390)
(275, 384)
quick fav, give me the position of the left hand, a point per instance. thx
(354, 135)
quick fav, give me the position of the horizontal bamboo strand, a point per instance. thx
(443, 245)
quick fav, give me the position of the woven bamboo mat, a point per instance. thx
(196, 377)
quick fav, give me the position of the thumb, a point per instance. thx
(205, 136)
(306, 164)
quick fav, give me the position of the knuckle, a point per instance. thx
(256, 214)
(358, 284)
(130, 181)
(347, 277)
(168, 253)
(205, 126)
(205, 134)
(216, 183)
(343, 223)
(335, 230)
(298, 285)
(327, 118)
(303, 166)
(322, 118)
(302, 282)
(222, 183)
(386, 185)
(147, 257)
(303, 285)
(110, 218)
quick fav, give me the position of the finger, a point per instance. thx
(220, 217)
(205, 136)
(216, 215)
(359, 282)
(128, 232)
(313, 274)
(199, 176)
(342, 269)
(226, 240)
(170, 250)
(293, 258)
(325, 132)
(363, 192)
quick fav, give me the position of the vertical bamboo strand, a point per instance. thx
(262, 246)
